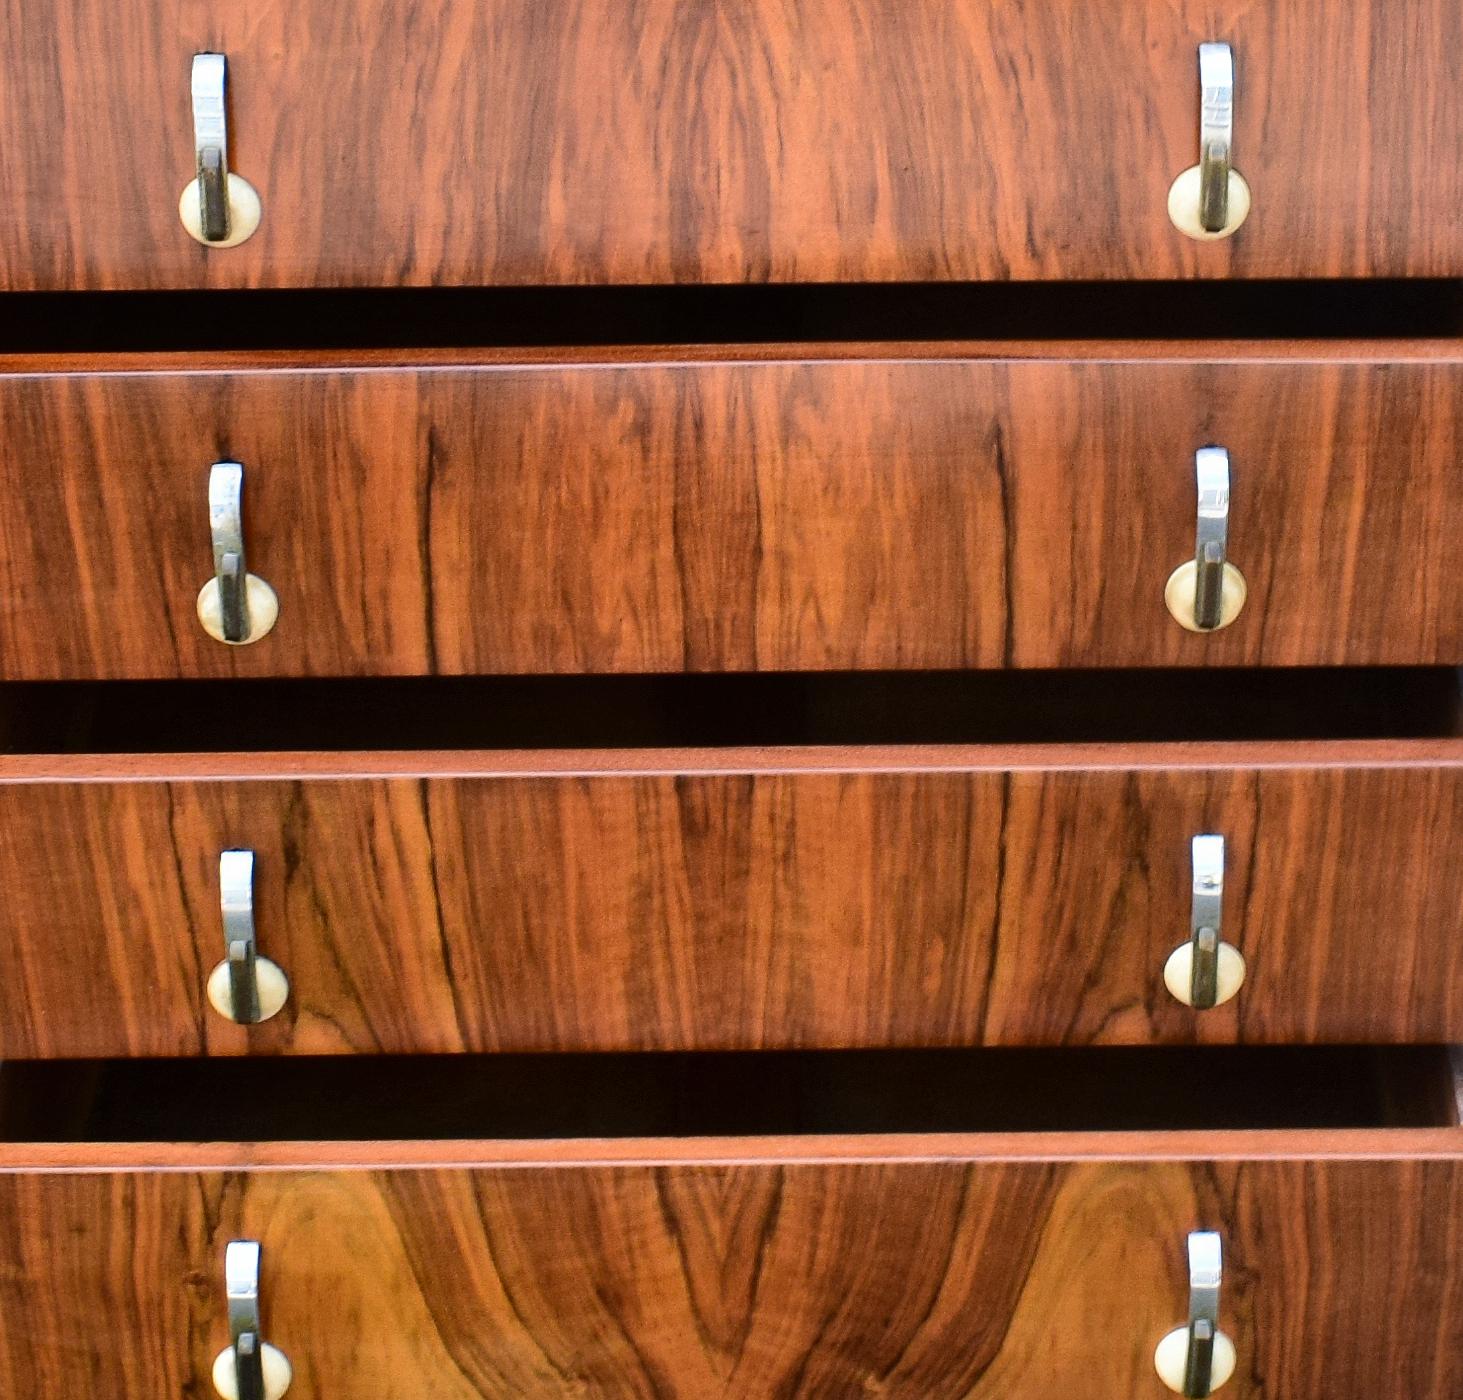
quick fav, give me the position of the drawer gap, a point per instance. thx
(714, 1095)
(386, 318)
(946, 707)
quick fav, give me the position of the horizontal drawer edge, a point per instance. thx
(1268, 1144)
(691, 762)
(1430, 350)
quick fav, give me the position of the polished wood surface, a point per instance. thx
(742, 899)
(1232, 1145)
(909, 510)
(924, 1269)
(1173, 757)
(580, 141)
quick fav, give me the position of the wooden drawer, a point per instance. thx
(818, 508)
(939, 1264)
(493, 142)
(695, 900)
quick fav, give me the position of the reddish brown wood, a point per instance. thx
(575, 141)
(895, 1275)
(1413, 350)
(807, 513)
(697, 762)
(855, 897)
(1231, 1145)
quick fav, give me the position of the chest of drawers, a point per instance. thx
(631, 766)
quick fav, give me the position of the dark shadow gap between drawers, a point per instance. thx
(1009, 707)
(625, 1095)
(387, 318)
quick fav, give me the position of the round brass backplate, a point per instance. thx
(274, 989)
(1178, 596)
(244, 212)
(1183, 206)
(1178, 971)
(278, 1373)
(1170, 1360)
(262, 607)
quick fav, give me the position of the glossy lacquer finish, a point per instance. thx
(937, 1267)
(906, 507)
(747, 899)
(475, 142)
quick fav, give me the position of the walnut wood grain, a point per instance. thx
(1226, 350)
(953, 1278)
(857, 900)
(1234, 1145)
(801, 514)
(580, 141)
(703, 762)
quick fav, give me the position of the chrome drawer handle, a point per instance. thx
(234, 606)
(249, 1368)
(1196, 1359)
(1211, 200)
(1208, 592)
(1205, 972)
(245, 987)
(211, 145)
(1211, 538)
(1216, 133)
(218, 208)
(1204, 920)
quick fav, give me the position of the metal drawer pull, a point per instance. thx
(1195, 1360)
(218, 208)
(1216, 133)
(226, 524)
(1211, 200)
(1211, 539)
(234, 606)
(1204, 920)
(1208, 592)
(1205, 972)
(211, 145)
(249, 1369)
(245, 987)
(241, 1282)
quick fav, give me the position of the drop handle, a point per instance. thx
(245, 987)
(249, 1368)
(217, 207)
(1207, 592)
(1216, 134)
(1205, 972)
(1211, 536)
(1211, 200)
(1196, 1359)
(234, 606)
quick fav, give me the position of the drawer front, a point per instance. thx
(701, 900)
(938, 1278)
(823, 513)
(575, 141)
